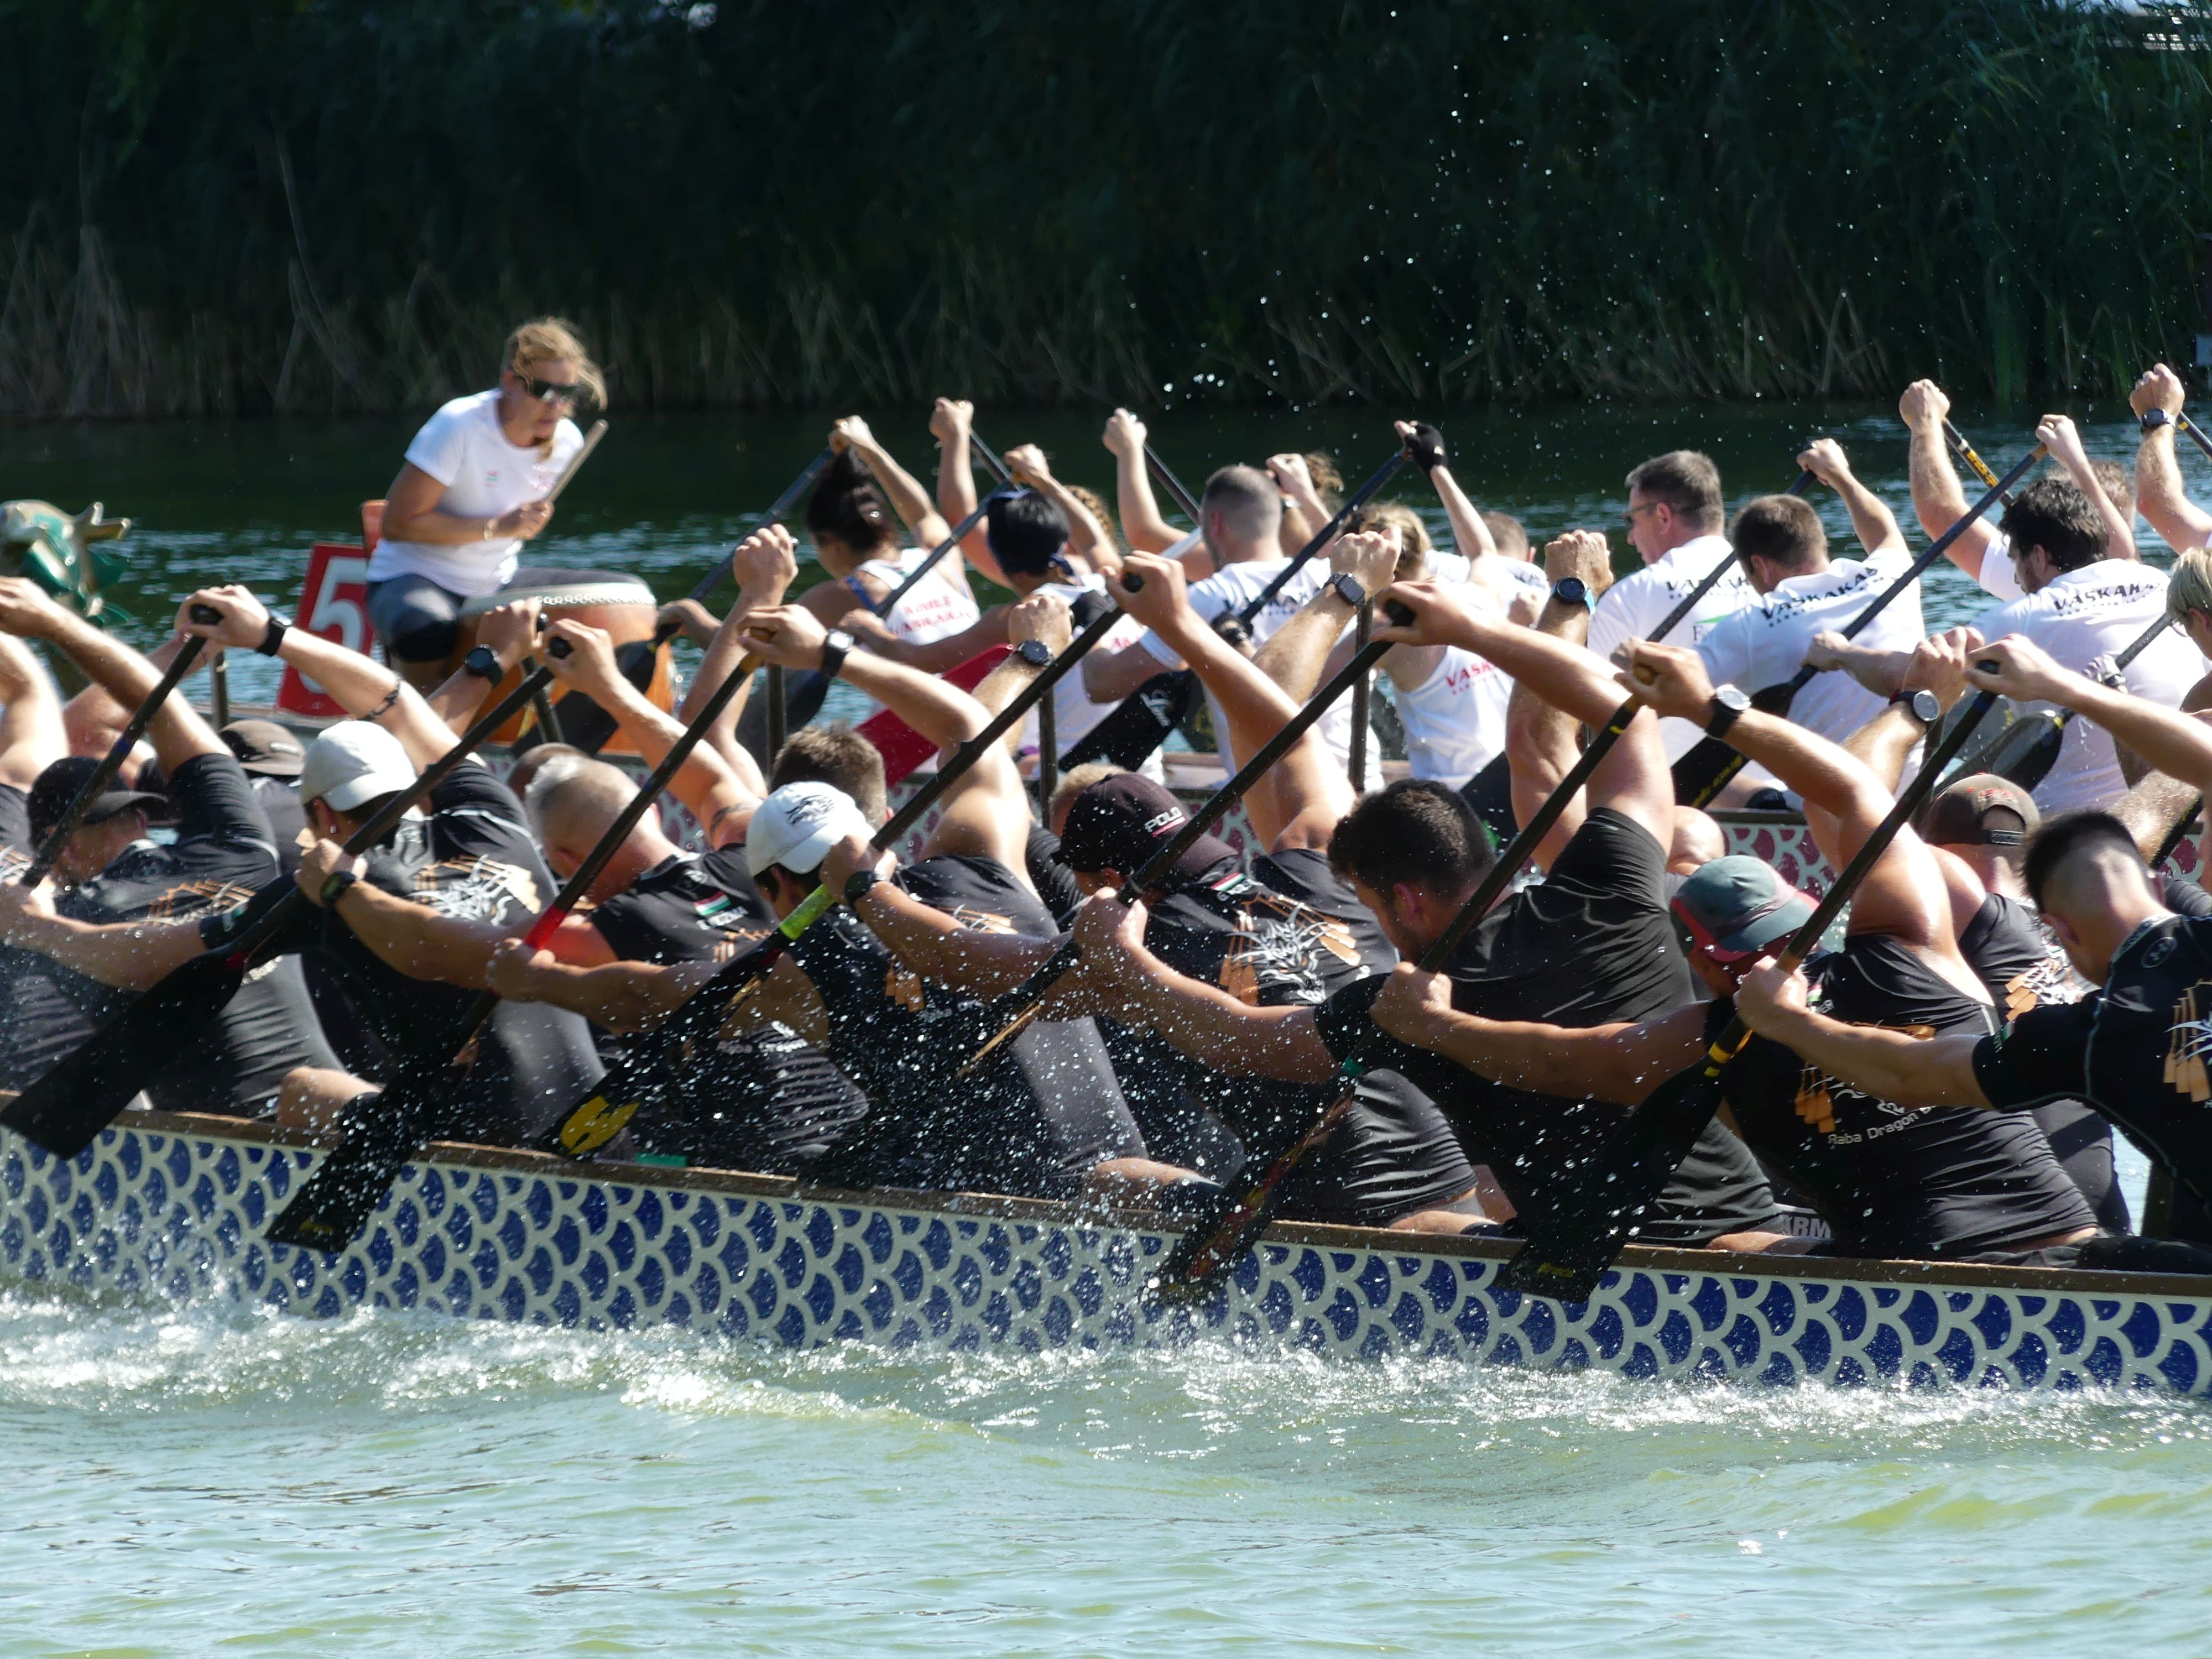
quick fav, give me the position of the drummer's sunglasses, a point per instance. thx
(548, 391)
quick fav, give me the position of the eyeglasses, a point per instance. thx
(1640, 507)
(548, 391)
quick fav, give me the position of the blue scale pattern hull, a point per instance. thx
(174, 1207)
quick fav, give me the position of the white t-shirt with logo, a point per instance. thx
(939, 606)
(463, 447)
(2099, 609)
(1765, 643)
(1455, 720)
(1236, 585)
(1641, 600)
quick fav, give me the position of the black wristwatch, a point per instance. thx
(1921, 705)
(1573, 590)
(2154, 418)
(1728, 704)
(272, 637)
(336, 887)
(1036, 652)
(857, 885)
(836, 645)
(483, 662)
(1347, 588)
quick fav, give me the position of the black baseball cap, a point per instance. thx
(1118, 823)
(58, 786)
(265, 747)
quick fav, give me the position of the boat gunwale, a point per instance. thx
(1096, 1216)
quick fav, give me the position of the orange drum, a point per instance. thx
(620, 604)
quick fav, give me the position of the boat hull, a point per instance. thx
(172, 1206)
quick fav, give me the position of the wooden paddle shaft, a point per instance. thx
(576, 461)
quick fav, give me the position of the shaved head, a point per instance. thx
(573, 799)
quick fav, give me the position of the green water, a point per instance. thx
(210, 1481)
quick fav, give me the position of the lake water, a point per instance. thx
(208, 1480)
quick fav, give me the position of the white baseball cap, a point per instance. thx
(351, 762)
(798, 825)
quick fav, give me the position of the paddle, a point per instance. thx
(1184, 498)
(1030, 994)
(1571, 1245)
(1705, 770)
(1968, 454)
(65, 1109)
(635, 1075)
(2029, 748)
(332, 1205)
(1218, 1234)
(1141, 723)
(1489, 792)
(588, 725)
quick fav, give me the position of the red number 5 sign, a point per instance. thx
(333, 602)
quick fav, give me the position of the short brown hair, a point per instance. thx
(1687, 481)
(1245, 498)
(1509, 532)
(840, 756)
(1784, 530)
(2053, 514)
(1413, 831)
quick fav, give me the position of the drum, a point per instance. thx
(622, 605)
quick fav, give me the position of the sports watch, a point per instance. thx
(836, 645)
(1347, 588)
(1036, 652)
(1921, 705)
(1573, 590)
(1728, 704)
(857, 885)
(483, 662)
(2154, 418)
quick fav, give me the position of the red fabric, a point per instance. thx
(903, 747)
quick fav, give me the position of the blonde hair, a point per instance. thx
(551, 339)
(1414, 545)
(2189, 585)
(1096, 505)
(1077, 779)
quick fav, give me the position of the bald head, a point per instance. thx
(574, 801)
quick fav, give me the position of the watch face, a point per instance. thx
(1731, 696)
(1571, 590)
(1926, 707)
(1035, 653)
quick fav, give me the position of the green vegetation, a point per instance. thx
(246, 205)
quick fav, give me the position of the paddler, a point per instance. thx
(472, 490)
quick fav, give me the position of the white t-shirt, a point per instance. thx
(939, 606)
(2099, 609)
(464, 449)
(1236, 585)
(1640, 601)
(1765, 643)
(1073, 712)
(1455, 720)
(1998, 579)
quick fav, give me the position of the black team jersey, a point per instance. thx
(1032, 1121)
(223, 852)
(471, 856)
(1893, 1181)
(1590, 944)
(41, 1025)
(2022, 967)
(765, 1101)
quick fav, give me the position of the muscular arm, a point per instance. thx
(2168, 740)
(1887, 1064)
(938, 656)
(135, 956)
(1937, 496)
(31, 735)
(937, 947)
(1141, 523)
(1110, 676)
(176, 730)
(416, 941)
(2163, 499)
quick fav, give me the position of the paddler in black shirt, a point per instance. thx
(1592, 944)
(2136, 1048)
(109, 874)
(39, 1023)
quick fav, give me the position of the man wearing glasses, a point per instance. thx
(1674, 521)
(472, 491)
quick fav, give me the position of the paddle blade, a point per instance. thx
(2029, 749)
(614, 1101)
(1570, 1247)
(334, 1203)
(1129, 736)
(65, 1110)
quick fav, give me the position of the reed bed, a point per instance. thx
(304, 205)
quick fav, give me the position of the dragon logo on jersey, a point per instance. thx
(476, 889)
(1818, 1094)
(905, 987)
(1277, 946)
(188, 900)
(2188, 1043)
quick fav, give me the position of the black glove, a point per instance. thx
(1426, 447)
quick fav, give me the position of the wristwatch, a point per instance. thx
(1921, 705)
(1728, 704)
(272, 637)
(836, 645)
(857, 884)
(1231, 627)
(1573, 590)
(2154, 418)
(336, 887)
(1347, 588)
(1036, 652)
(483, 662)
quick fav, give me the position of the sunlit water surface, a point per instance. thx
(215, 1479)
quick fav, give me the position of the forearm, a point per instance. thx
(621, 996)
(1882, 745)
(2162, 499)
(1871, 518)
(938, 948)
(710, 783)
(1888, 1065)
(1087, 539)
(1212, 1027)
(956, 500)
(416, 941)
(2154, 809)
(944, 713)
(2168, 740)
(1548, 659)
(1007, 679)
(1880, 671)
(1621, 1063)
(135, 956)
(1147, 531)
(1469, 533)
(1814, 768)
(907, 498)
(2119, 530)
(938, 656)
(1294, 653)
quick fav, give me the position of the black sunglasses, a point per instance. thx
(548, 391)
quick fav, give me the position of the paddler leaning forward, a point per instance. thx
(472, 490)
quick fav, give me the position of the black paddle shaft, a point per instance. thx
(187, 656)
(1571, 1245)
(1323, 536)
(1717, 763)
(1184, 498)
(665, 631)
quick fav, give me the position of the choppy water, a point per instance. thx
(216, 1480)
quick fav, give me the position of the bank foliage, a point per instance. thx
(245, 205)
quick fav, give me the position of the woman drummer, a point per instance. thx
(472, 491)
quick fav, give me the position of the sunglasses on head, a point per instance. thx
(550, 391)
